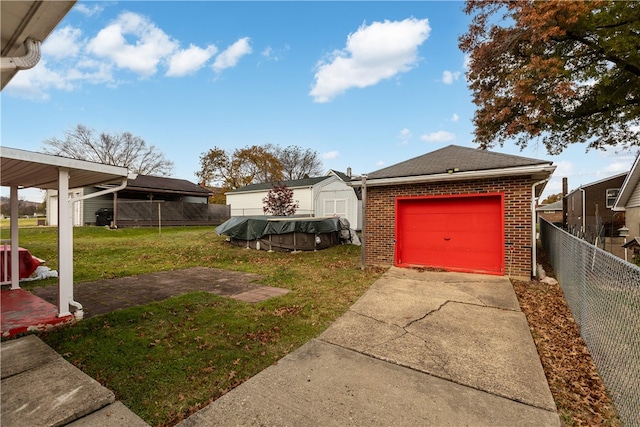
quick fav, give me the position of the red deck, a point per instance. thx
(21, 311)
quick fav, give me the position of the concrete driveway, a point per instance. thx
(419, 348)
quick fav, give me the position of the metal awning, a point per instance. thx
(23, 20)
(23, 169)
(26, 169)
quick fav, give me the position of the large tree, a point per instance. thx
(298, 162)
(249, 165)
(557, 71)
(123, 149)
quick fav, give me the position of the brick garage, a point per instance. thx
(454, 173)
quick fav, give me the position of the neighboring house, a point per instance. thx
(589, 209)
(551, 212)
(322, 196)
(628, 200)
(458, 209)
(182, 203)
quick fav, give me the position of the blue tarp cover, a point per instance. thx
(255, 227)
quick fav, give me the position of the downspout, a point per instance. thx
(584, 212)
(534, 243)
(363, 243)
(25, 62)
(79, 313)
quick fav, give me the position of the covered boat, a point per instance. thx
(287, 233)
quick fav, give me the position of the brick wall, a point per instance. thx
(380, 217)
(554, 217)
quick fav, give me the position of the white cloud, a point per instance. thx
(86, 10)
(380, 163)
(330, 155)
(448, 77)
(63, 43)
(190, 60)
(440, 136)
(619, 161)
(466, 62)
(455, 117)
(372, 54)
(34, 83)
(151, 45)
(130, 42)
(563, 169)
(274, 54)
(231, 55)
(616, 168)
(404, 136)
(92, 71)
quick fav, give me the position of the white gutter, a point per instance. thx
(122, 186)
(79, 313)
(25, 62)
(534, 243)
(458, 176)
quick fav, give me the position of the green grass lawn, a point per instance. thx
(167, 359)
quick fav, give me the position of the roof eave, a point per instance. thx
(628, 186)
(537, 172)
(242, 190)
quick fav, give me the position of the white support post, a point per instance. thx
(15, 244)
(65, 245)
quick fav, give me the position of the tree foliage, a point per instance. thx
(561, 71)
(244, 166)
(279, 201)
(552, 198)
(124, 149)
(256, 164)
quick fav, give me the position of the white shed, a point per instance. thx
(317, 197)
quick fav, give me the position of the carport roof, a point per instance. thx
(29, 169)
(27, 19)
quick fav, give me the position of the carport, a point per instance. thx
(26, 169)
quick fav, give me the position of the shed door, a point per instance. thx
(459, 233)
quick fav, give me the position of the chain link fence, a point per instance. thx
(603, 293)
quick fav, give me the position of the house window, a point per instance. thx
(337, 207)
(612, 195)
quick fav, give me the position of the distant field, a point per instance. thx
(22, 222)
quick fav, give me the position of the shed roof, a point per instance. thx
(295, 183)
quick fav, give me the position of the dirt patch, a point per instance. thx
(104, 296)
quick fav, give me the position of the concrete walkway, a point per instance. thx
(40, 388)
(419, 348)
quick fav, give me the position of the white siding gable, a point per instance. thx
(634, 199)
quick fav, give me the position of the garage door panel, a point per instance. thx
(461, 233)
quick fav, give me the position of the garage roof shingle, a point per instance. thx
(465, 159)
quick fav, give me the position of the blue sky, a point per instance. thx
(365, 84)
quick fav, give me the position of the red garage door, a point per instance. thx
(458, 233)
